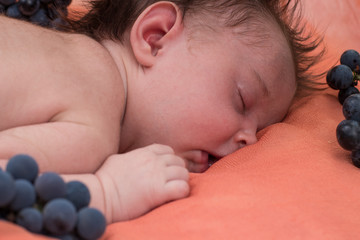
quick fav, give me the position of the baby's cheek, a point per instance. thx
(219, 130)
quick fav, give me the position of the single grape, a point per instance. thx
(23, 166)
(29, 7)
(7, 188)
(7, 2)
(14, 12)
(31, 219)
(91, 223)
(348, 134)
(351, 107)
(344, 93)
(40, 18)
(340, 77)
(25, 195)
(59, 216)
(78, 193)
(351, 58)
(49, 186)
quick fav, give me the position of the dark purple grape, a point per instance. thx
(49, 186)
(91, 223)
(29, 7)
(351, 58)
(7, 188)
(23, 166)
(7, 2)
(355, 157)
(340, 77)
(4, 213)
(348, 134)
(25, 195)
(40, 18)
(78, 193)
(31, 219)
(351, 107)
(2, 8)
(59, 216)
(14, 12)
(344, 93)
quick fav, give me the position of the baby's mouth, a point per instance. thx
(199, 161)
(212, 159)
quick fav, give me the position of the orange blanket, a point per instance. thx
(295, 183)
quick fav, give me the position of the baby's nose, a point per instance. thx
(245, 137)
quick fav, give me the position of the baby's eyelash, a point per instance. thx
(243, 106)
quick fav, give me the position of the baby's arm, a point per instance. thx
(131, 184)
(64, 147)
(126, 186)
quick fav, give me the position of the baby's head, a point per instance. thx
(210, 73)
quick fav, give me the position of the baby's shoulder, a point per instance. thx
(93, 59)
(44, 72)
(95, 70)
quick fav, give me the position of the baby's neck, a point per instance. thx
(128, 68)
(119, 54)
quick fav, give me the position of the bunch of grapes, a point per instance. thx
(46, 13)
(344, 77)
(45, 204)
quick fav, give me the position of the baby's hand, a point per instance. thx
(140, 180)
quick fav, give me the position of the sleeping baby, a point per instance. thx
(136, 94)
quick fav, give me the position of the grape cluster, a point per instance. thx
(46, 13)
(45, 204)
(344, 77)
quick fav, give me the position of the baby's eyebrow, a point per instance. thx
(262, 84)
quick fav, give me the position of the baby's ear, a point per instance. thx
(157, 24)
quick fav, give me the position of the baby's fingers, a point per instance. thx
(176, 173)
(177, 186)
(173, 160)
(177, 189)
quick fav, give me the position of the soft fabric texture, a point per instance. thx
(295, 183)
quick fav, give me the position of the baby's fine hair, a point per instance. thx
(111, 19)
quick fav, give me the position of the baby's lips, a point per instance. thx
(197, 161)
(203, 162)
(195, 156)
(204, 158)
